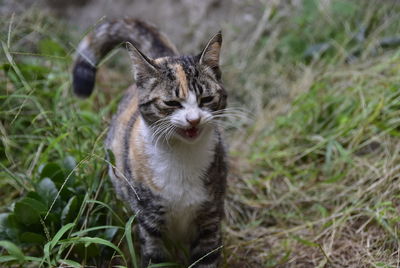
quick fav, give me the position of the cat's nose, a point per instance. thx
(193, 121)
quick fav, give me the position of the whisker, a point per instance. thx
(233, 109)
(232, 113)
(156, 134)
(224, 125)
(229, 117)
(160, 120)
(158, 138)
(159, 125)
(169, 133)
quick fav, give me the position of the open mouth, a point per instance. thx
(189, 133)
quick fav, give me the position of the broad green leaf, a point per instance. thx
(11, 227)
(35, 195)
(35, 238)
(26, 213)
(54, 172)
(39, 206)
(69, 163)
(52, 218)
(47, 190)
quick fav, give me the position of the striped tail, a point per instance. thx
(106, 37)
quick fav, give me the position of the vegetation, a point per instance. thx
(314, 164)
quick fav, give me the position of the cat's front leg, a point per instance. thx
(206, 248)
(151, 244)
(151, 247)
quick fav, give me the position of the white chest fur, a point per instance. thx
(179, 169)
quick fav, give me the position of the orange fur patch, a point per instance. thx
(183, 84)
(130, 109)
(116, 145)
(136, 154)
(139, 157)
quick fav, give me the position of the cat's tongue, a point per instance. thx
(192, 132)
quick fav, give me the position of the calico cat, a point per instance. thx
(170, 164)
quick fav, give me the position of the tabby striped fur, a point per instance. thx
(170, 163)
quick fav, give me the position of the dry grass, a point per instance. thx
(319, 185)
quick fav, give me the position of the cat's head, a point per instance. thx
(180, 97)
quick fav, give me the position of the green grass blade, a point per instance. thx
(128, 235)
(70, 263)
(33, 259)
(96, 228)
(26, 85)
(51, 244)
(7, 258)
(94, 240)
(13, 258)
(13, 250)
(15, 177)
(59, 234)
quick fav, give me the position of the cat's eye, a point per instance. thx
(206, 100)
(175, 104)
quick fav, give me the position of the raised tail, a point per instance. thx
(107, 36)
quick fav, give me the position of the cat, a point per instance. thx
(170, 161)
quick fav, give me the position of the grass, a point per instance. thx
(314, 174)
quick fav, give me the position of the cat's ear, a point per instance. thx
(209, 57)
(143, 67)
